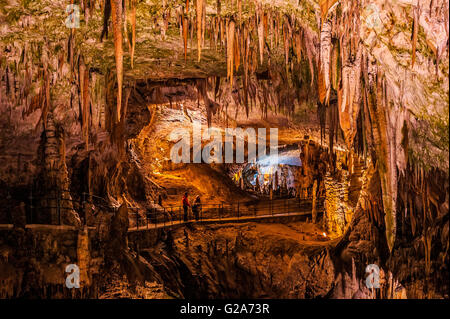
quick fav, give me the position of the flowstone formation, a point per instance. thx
(81, 109)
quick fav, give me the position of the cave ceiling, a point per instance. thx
(387, 60)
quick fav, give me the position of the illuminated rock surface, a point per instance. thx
(85, 117)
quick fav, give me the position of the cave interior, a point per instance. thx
(113, 110)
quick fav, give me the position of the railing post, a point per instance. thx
(238, 210)
(146, 217)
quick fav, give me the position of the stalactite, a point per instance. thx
(192, 27)
(335, 65)
(106, 16)
(349, 97)
(185, 26)
(259, 15)
(211, 106)
(116, 6)
(286, 44)
(325, 5)
(321, 87)
(310, 52)
(325, 60)
(246, 70)
(200, 27)
(230, 51)
(321, 112)
(415, 32)
(132, 36)
(185, 35)
(387, 172)
(86, 106)
(222, 32)
(240, 11)
(46, 85)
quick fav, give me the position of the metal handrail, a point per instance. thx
(41, 202)
(170, 214)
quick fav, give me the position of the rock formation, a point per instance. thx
(85, 115)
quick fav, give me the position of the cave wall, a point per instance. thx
(34, 261)
(386, 63)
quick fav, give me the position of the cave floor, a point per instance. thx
(243, 260)
(303, 233)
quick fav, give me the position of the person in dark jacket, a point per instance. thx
(197, 207)
(186, 206)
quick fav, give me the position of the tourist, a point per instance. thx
(197, 207)
(186, 206)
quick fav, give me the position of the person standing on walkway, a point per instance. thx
(197, 207)
(186, 206)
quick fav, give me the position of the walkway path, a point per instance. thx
(266, 211)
